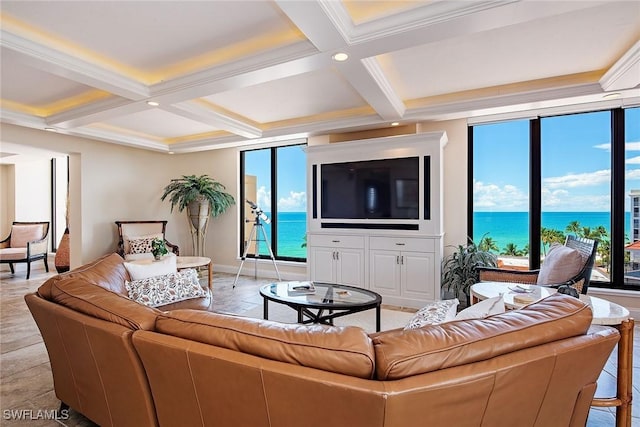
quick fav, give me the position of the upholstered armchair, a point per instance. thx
(27, 242)
(130, 233)
(570, 264)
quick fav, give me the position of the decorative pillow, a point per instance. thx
(166, 289)
(143, 269)
(137, 257)
(482, 309)
(22, 234)
(140, 244)
(434, 313)
(560, 264)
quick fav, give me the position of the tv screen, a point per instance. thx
(371, 189)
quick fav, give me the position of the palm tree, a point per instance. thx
(510, 249)
(487, 244)
(549, 236)
(573, 227)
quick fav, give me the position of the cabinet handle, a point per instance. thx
(337, 255)
(401, 259)
(400, 244)
(335, 241)
(397, 259)
(333, 255)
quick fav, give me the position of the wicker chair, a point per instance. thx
(587, 247)
(27, 241)
(129, 229)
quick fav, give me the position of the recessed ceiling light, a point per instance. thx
(153, 103)
(395, 124)
(613, 95)
(170, 152)
(340, 57)
(51, 129)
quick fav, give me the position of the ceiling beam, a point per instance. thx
(219, 120)
(625, 73)
(71, 67)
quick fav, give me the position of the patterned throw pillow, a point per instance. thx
(140, 246)
(165, 289)
(434, 313)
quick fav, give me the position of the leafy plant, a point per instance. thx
(191, 188)
(158, 248)
(459, 269)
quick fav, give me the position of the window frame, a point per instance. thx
(273, 156)
(617, 225)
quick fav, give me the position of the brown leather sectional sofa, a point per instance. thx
(123, 364)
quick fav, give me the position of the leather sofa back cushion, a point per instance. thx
(401, 353)
(103, 304)
(108, 272)
(344, 350)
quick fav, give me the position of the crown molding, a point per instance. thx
(390, 97)
(73, 68)
(91, 113)
(22, 119)
(118, 138)
(408, 20)
(193, 111)
(625, 73)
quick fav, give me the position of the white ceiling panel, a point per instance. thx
(160, 124)
(557, 46)
(299, 96)
(25, 85)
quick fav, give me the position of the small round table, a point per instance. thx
(337, 300)
(183, 262)
(604, 313)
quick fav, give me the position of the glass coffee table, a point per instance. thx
(329, 301)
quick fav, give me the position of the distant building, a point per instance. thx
(634, 247)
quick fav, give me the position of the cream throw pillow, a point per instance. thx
(482, 309)
(147, 268)
(560, 265)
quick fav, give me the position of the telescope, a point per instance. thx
(258, 212)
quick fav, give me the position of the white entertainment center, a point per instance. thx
(375, 216)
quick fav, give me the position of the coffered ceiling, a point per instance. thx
(238, 72)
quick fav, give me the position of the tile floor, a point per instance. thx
(26, 386)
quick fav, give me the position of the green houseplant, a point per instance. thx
(158, 248)
(202, 197)
(459, 269)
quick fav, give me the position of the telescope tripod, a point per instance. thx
(254, 237)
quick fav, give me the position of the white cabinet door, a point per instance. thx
(350, 267)
(322, 264)
(418, 275)
(384, 276)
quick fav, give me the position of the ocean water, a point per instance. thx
(503, 228)
(513, 227)
(292, 228)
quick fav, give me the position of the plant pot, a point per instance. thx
(198, 211)
(62, 258)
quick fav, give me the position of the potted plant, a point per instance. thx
(158, 248)
(202, 197)
(459, 269)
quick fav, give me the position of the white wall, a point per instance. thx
(33, 200)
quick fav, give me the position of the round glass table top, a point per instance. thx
(329, 295)
(604, 312)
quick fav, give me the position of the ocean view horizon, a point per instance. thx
(502, 227)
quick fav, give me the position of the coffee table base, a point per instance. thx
(318, 316)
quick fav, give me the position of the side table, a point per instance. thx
(604, 313)
(183, 262)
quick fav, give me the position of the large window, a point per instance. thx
(274, 181)
(552, 176)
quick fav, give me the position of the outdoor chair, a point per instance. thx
(579, 275)
(27, 241)
(132, 232)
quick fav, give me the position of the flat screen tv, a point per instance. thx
(370, 189)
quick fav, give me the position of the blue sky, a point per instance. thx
(576, 168)
(292, 178)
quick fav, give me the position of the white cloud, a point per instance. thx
(264, 199)
(633, 160)
(587, 179)
(296, 202)
(629, 146)
(495, 197)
